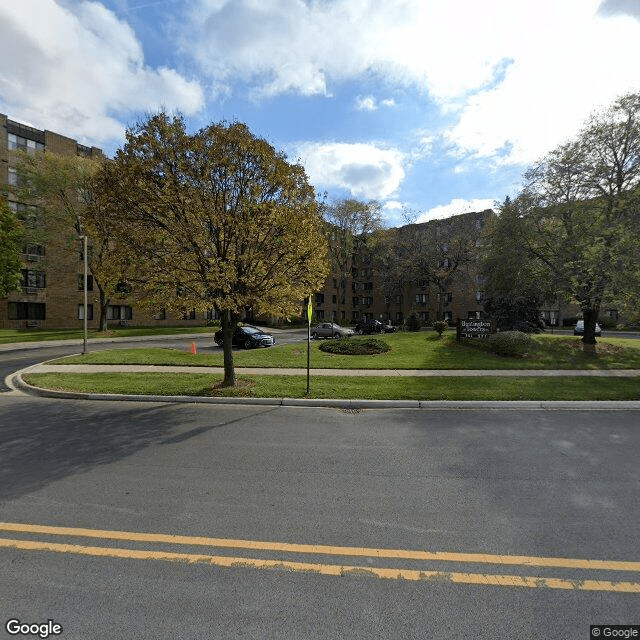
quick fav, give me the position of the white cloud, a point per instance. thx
(365, 170)
(368, 103)
(514, 78)
(81, 71)
(456, 207)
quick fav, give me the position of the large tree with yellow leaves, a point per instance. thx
(217, 219)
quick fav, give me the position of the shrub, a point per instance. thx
(440, 326)
(509, 343)
(413, 322)
(355, 346)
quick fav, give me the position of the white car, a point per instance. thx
(330, 330)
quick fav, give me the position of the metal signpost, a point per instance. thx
(309, 311)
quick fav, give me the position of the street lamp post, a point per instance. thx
(84, 239)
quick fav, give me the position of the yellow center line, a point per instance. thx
(330, 569)
(255, 545)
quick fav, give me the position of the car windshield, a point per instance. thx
(251, 330)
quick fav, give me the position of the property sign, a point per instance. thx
(474, 328)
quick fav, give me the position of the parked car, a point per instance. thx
(247, 336)
(374, 326)
(330, 330)
(578, 330)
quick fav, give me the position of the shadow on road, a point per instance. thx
(44, 441)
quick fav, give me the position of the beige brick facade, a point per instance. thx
(52, 296)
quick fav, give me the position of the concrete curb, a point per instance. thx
(16, 382)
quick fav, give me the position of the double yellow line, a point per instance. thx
(399, 573)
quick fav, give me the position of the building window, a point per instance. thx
(422, 298)
(320, 314)
(32, 279)
(81, 282)
(319, 298)
(367, 300)
(334, 299)
(19, 143)
(30, 215)
(188, 315)
(355, 301)
(355, 315)
(81, 312)
(81, 253)
(119, 312)
(13, 178)
(445, 297)
(27, 311)
(399, 317)
(33, 252)
(162, 315)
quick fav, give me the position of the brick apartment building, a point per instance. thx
(52, 289)
(439, 279)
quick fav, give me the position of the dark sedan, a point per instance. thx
(248, 337)
(374, 326)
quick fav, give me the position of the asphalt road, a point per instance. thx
(520, 487)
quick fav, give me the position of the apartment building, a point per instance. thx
(52, 288)
(429, 268)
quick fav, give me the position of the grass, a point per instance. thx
(394, 388)
(8, 336)
(409, 351)
(422, 350)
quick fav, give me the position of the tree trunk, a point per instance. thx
(589, 337)
(229, 323)
(104, 303)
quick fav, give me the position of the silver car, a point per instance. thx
(330, 330)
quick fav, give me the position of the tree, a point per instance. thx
(436, 252)
(515, 286)
(10, 245)
(63, 188)
(216, 219)
(350, 225)
(579, 212)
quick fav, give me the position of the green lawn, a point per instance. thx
(422, 350)
(8, 336)
(392, 388)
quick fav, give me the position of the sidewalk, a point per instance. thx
(427, 373)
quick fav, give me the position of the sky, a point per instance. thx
(431, 107)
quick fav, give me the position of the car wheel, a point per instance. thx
(381, 330)
(248, 344)
(336, 335)
(360, 332)
(314, 335)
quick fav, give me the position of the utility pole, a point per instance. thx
(84, 239)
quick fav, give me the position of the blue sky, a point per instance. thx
(433, 106)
